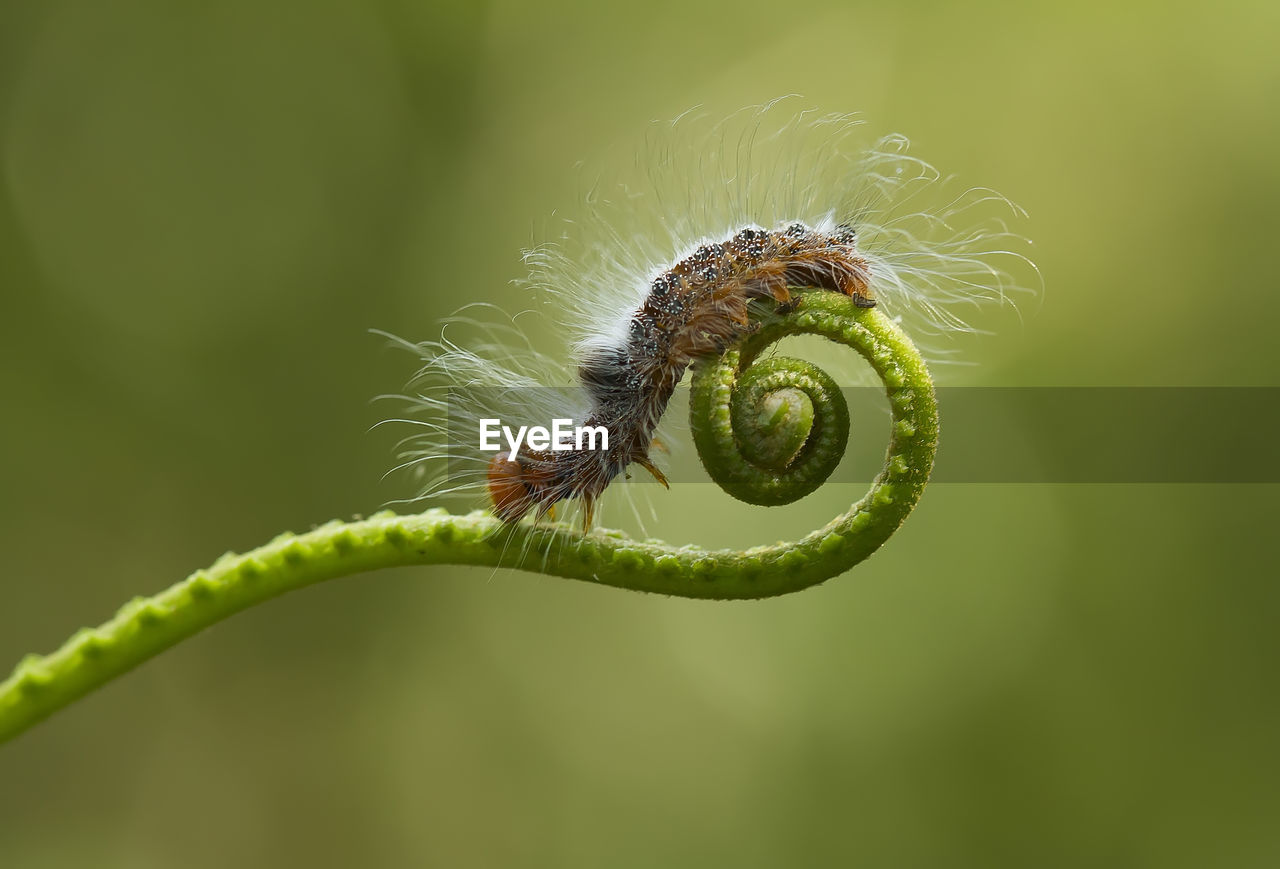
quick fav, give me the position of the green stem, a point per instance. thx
(144, 627)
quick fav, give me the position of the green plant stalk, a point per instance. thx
(144, 627)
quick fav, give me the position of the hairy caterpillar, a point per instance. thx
(697, 307)
(795, 205)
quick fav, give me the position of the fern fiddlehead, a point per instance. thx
(768, 431)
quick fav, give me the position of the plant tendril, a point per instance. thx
(768, 433)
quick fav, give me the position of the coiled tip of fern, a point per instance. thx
(776, 440)
(785, 432)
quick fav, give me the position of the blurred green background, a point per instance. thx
(202, 209)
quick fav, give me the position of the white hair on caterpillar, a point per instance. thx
(934, 256)
(937, 251)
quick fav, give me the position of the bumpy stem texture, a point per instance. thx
(782, 396)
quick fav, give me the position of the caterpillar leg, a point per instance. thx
(781, 294)
(855, 286)
(544, 511)
(774, 286)
(588, 512)
(653, 469)
(788, 306)
(857, 289)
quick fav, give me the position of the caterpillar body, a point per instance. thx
(756, 205)
(697, 307)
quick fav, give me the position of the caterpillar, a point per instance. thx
(695, 308)
(679, 266)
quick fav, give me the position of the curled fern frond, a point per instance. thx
(769, 431)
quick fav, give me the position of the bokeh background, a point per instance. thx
(203, 207)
